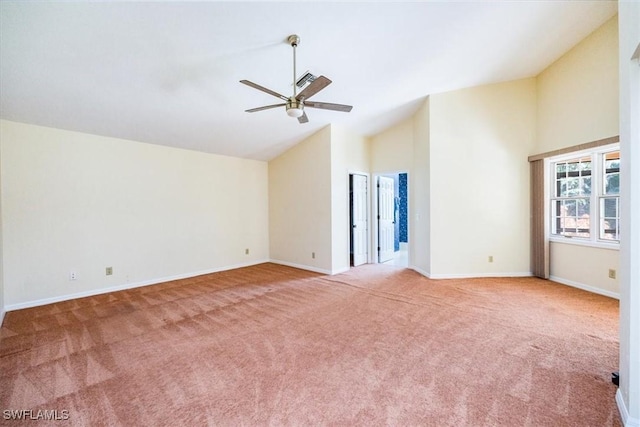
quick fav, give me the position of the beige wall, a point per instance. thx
(349, 153)
(309, 199)
(392, 150)
(420, 194)
(578, 94)
(479, 142)
(578, 103)
(585, 265)
(300, 204)
(73, 201)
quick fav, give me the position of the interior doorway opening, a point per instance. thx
(391, 207)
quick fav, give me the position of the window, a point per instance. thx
(585, 199)
(610, 197)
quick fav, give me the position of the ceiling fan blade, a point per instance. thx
(266, 107)
(303, 118)
(314, 87)
(328, 106)
(264, 89)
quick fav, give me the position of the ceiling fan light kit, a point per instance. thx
(294, 108)
(294, 105)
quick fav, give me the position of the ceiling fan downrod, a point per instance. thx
(293, 41)
(295, 107)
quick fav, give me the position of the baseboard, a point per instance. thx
(627, 421)
(1, 315)
(467, 276)
(302, 266)
(125, 286)
(340, 271)
(420, 271)
(584, 287)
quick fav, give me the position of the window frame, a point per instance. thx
(597, 156)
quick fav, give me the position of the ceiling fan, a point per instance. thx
(295, 104)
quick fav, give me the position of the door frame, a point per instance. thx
(369, 215)
(373, 254)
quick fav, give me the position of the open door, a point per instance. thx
(359, 223)
(386, 220)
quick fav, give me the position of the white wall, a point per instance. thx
(578, 103)
(349, 153)
(300, 204)
(479, 179)
(1, 245)
(420, 194)
(628, 396)
(73, 201)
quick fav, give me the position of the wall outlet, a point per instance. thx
(313, 255)
(109, 271)
(73, 275)
(246, 251)
(490, 258)
(612, 273)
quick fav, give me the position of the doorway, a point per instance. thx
(392, 214)
(358, 219)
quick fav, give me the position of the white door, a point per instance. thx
(359, 226)
(386, 227)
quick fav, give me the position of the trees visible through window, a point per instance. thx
(585, 197)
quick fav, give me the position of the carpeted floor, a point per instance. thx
(273, 345)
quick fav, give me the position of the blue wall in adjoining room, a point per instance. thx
(403, 208)
(396, 213)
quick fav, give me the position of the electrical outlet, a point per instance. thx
(109, 271)
(490, 258)
(313, 255)
(246, 251)
(73, 275)
(612, 273)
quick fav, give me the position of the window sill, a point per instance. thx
(590, 243)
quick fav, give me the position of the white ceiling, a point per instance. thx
(168, 72)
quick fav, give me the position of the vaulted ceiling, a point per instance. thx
(168, 72)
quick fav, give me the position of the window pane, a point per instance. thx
(612, 183)
(609, 229)
(583, 208)
(610, 218)
(610, 207)
(571, 217)
(612, 165)
(585, 188)
(561, 188)
(611, 173)
(569, 208)
(572, 187)
(573, 166)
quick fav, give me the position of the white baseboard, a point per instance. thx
(627, 420)
(1, 315)
(468, 276)
(584, 287)
(420, 271)
(122, 287)
(341, 270)
(303, 267)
